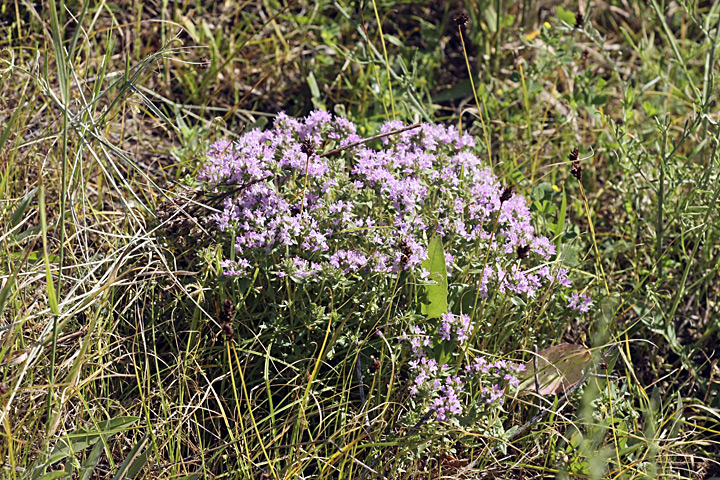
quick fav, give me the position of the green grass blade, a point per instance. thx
(52, 297)
(8, 128)
(88, 466)
(134, 460)
(560, 225)
(79, 20)
(22, 206)
(57, 42)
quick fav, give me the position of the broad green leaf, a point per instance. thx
(491, 19)
(25, 234)
(460, 89)
(314, 88)
(566, 16)
(34, 257)
(83, 438)
(435, 302)
(394, 40)
(7, 289)
(600, 100)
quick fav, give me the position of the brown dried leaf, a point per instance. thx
(558, 368)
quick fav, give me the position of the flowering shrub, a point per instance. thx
(367, 211)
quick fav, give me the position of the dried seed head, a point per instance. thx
(405, 252)
(204, 63)
(228, 331)
(461, 20)
(576, 170)
(523, 252)
(307, 147)
(375, 365)
(227, 314)
(574, 154)
(506, 194)
(579, 20)
(3, 388)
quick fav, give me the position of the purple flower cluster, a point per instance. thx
(581, 303)
(367, 210)
(454, 327)
(435, 381)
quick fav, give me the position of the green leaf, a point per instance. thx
(508, 20)
(8, 128)
(435, 302)
(568, 252)
(52, 298)
(80, 440)
(491, 19)
(7, 289)
(30, 232)
(560, 225)
(314, 88)
(134, 461)
(83, 438)
(53, 475)
(394, 40)
(600, 100)
(88, 466)
(57, 43)
(566, 16)
(461, 89)
(22, 206)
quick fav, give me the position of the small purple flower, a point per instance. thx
(235, 268)
(511, 379)
(581, 303)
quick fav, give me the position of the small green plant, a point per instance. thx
(309, 207)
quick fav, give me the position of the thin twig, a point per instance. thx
(369, 139)
(215, 199)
